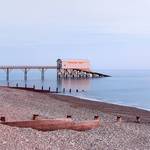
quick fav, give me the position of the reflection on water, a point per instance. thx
(81, 84)
(124, 87)
(50, 81)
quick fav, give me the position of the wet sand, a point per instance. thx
(20, 105)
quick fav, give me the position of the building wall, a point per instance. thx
(75, 64)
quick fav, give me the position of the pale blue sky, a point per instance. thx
(112, 34)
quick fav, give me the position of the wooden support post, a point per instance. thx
(25, 74)
(25, 85)
(69, 90)
(42, 74)
(33, 86)
(57, 90)
(17, 85)
(7, 74)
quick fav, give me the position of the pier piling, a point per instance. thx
(7, 74)
(25, 74)
(42, 74)
(49, 89)
(25, 85)
(33, 86)
(69, 90)
(17, 85)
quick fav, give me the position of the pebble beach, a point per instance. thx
(18, 105)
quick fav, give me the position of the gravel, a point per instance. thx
(20, 105)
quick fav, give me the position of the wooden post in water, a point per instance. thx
(69, 90)
(34, 87)
(17, 85)
(25, 85)
(57, 90)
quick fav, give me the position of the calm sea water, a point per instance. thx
(125, 87)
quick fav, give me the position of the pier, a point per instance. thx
(26, 69)
(76, 68)
(65, 69)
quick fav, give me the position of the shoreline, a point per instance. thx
(99, 100)
(127, 112)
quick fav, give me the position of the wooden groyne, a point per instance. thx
(42, 90)
(43, 124)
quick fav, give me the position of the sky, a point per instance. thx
(112, 34)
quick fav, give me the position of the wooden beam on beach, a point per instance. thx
(54, 124)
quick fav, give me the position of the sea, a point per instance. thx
(124, 87)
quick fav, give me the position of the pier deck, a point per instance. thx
(27, 67)
(7, 69)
